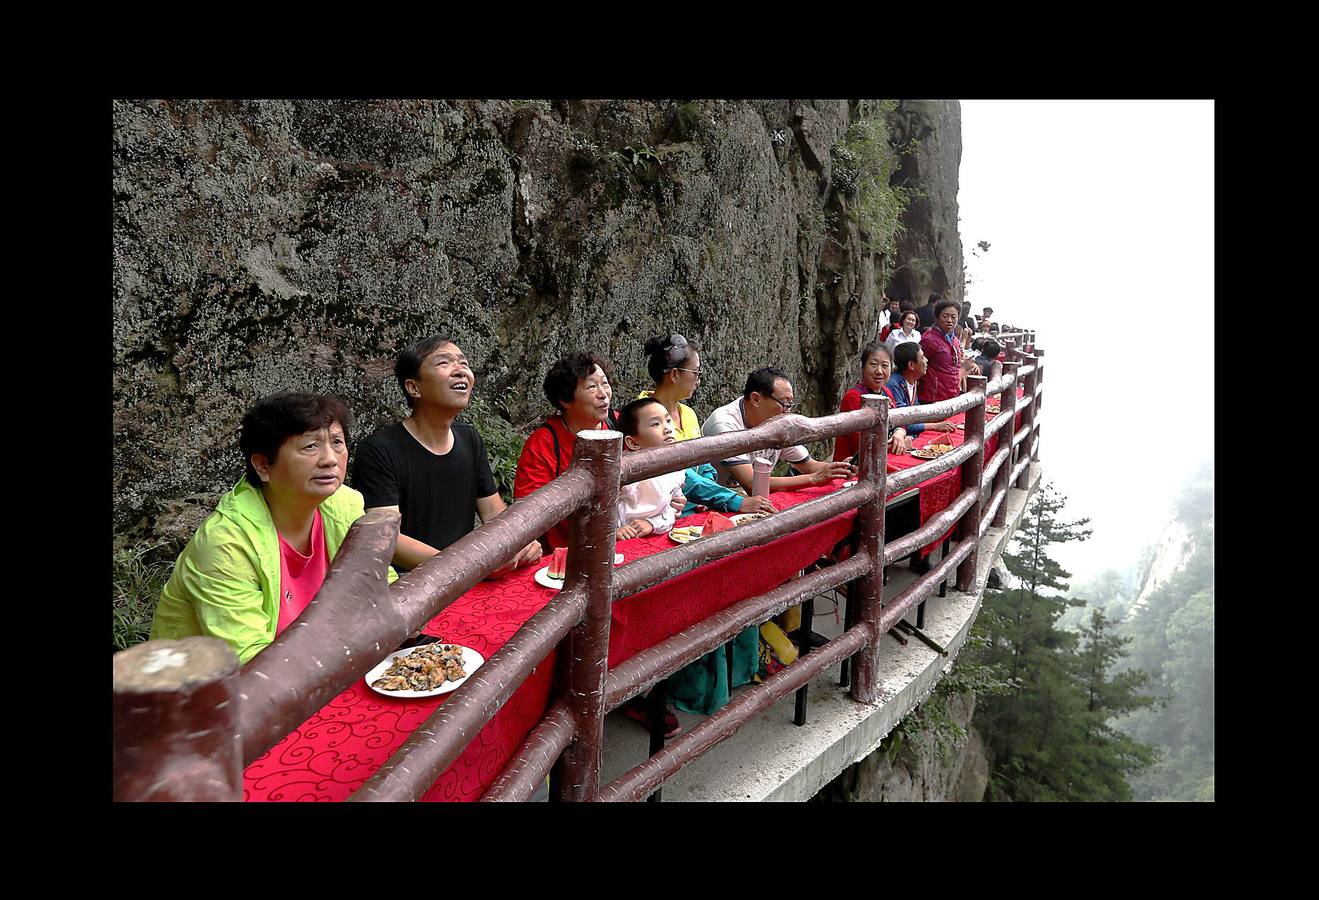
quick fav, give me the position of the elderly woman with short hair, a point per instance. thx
(578, 388)
(259, 559)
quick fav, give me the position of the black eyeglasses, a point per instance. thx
(786, 404)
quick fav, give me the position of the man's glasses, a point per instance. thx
(786, 404)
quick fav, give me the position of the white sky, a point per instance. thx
(1100, 219)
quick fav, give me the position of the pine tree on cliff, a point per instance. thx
(1050, 737)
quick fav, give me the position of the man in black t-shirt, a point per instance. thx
(431, 468)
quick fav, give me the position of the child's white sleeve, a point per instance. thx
(663, 521)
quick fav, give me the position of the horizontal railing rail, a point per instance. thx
(189, 735)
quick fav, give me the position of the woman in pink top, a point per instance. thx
(259, 559)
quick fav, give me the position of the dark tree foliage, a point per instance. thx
(1050, 737)
(1173, 639)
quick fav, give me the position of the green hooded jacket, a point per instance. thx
(226, 581)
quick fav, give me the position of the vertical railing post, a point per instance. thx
(972, 470)
(1029, 417)
(1008, 406)
(870, 520)
(176, 722)
(1035, 415)
(590, 562)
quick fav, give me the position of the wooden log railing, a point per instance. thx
(188, 718)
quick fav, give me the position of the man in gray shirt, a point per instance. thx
(768, 393)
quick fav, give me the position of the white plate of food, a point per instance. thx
(685, 534)
(743, 518)
(932, 451)
(407, 667)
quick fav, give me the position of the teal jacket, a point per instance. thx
(225, 583)
(702, 488)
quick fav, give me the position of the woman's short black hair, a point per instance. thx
(875, 346)
(665, 352)
(561, 380)
(904, 355)
(629, 418)
(991, 348)
(273, 420)
(408, 362)
(945, 304)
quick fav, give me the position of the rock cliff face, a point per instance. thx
(272, 245)
(917, 771)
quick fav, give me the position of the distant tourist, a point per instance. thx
(907, 333)
(259, 559)
(876, 369)
(989, 351)
(927, 312)
(967, 320)
(888, 310)
(943, 351)
(768, 393)
(577, 386)
(432, 469)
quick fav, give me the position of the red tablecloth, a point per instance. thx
(335, 751)
(939, 492)
(339, 748)
(666, 609)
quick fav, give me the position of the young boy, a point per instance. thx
(650, 506)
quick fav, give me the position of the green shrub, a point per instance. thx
(864, 162)
(503, 442)
(140, 574)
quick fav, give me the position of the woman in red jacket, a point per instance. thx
(578, 387)
(943, 351)
(876, 367)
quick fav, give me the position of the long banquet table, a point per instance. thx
(335, 751)
(941, 490)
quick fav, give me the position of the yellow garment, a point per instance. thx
(784, 649)
(687, 427)
(790, 618)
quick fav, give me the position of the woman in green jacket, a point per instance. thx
(259, 559)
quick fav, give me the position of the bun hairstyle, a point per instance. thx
(667, 352)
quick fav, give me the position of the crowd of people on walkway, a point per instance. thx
(261, 556)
